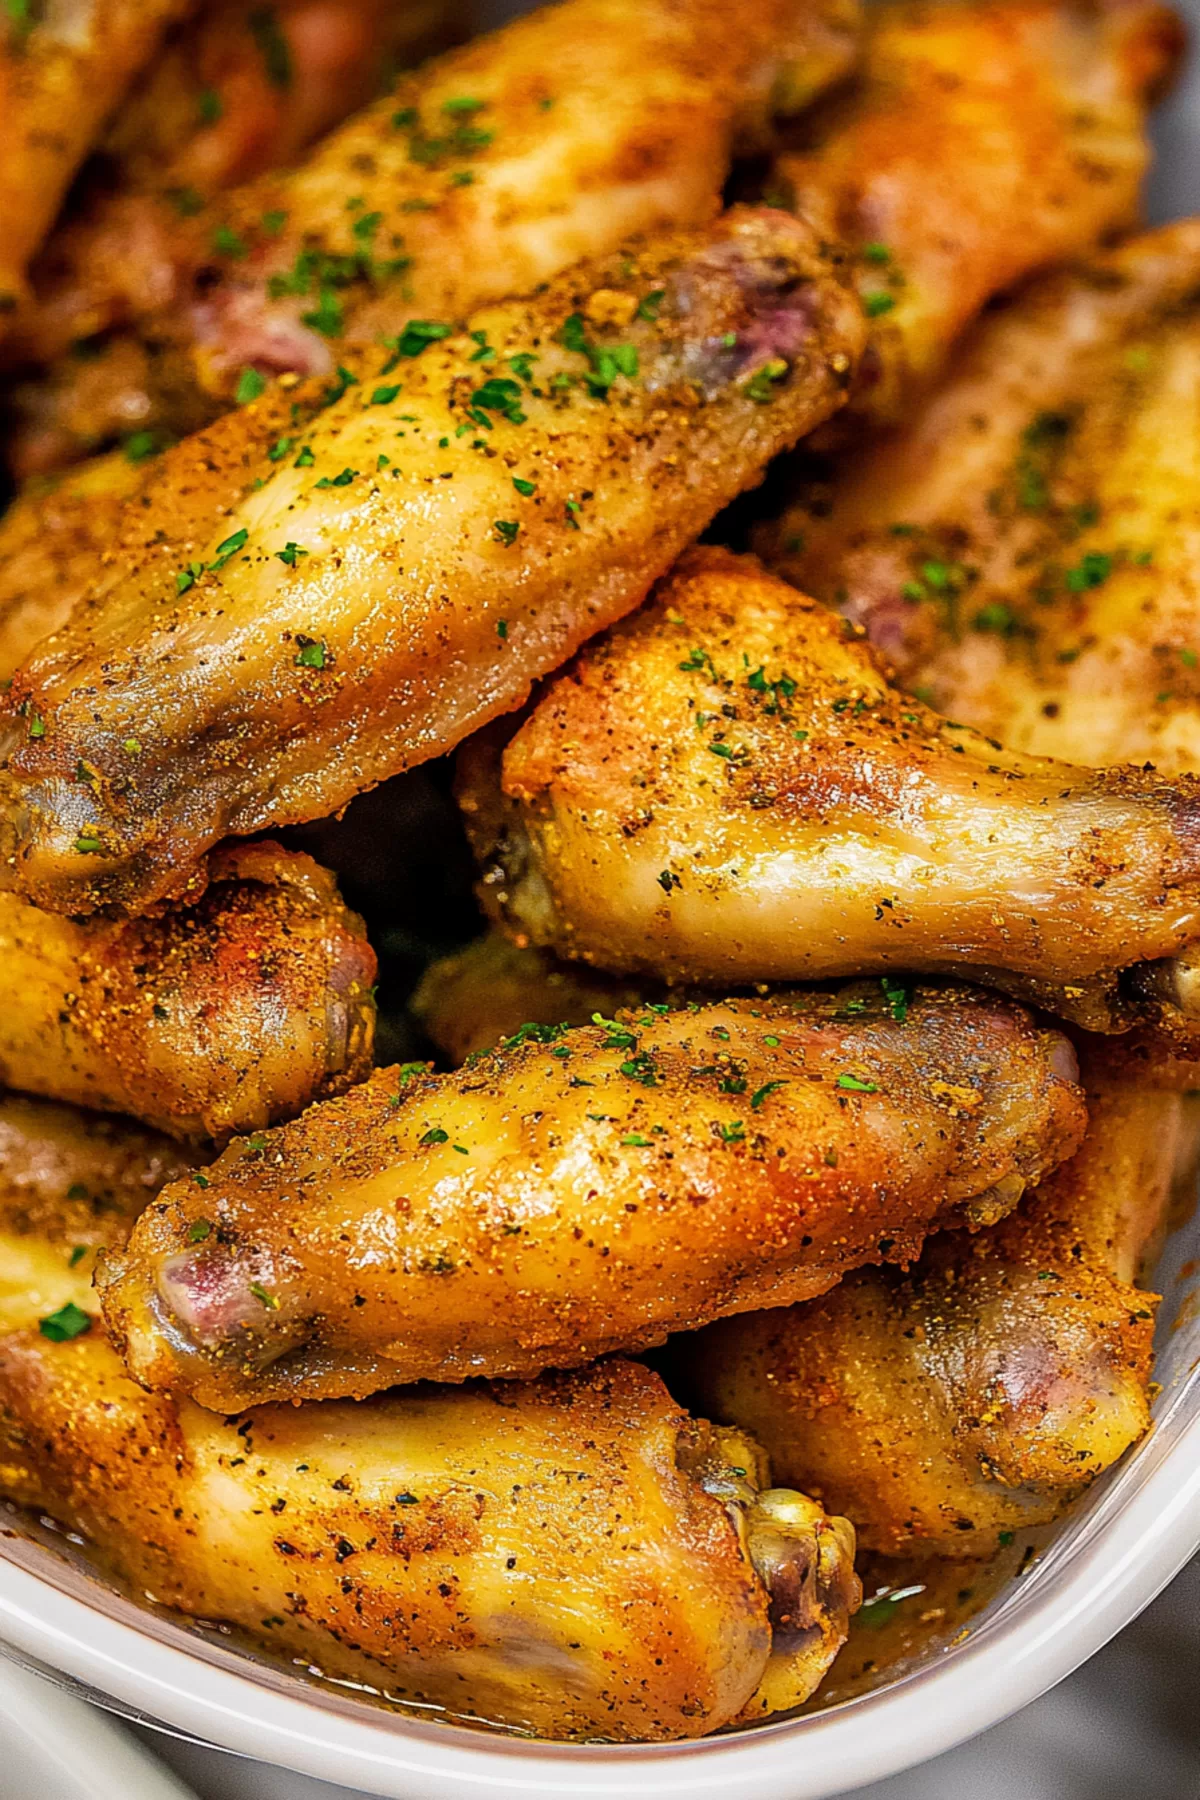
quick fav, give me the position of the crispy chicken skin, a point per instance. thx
(978, 1393)
(51, 539)
(981, 142)
(211, 1018)
(238, 89)
(1050, 484)
(294, 617)
(490, 171)
(64, 67)
(573, 1557)
(576, 1192)
(726, 788)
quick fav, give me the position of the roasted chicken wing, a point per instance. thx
(726, 788)
(300, 612)
(946, 1407)
(493, 169)
(574, 1192)
(573, 1557)
(981, 142)
(64, 68)
(1025, 548)
(219, 1016)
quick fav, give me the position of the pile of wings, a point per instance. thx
(840, 848)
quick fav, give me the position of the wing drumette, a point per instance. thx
(230, 1012)
(574, 1556)
(576, 1192)
(979, 1392)
(726, 788)
(982, 142)
(344, 580)
(490, 171)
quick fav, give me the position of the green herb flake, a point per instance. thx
(383, 396)
(506, 530)
(757, 1098)
(1090, 571)
(855, 1086)
(210, 106)
(264, 1299)
(250, 385)
(997, 617)
(291, 553)
(524, 487)
(634, 1140)
(306, 459)
(897, 995)
(272, 46)
(876, 304)
(198, 1230)
(230, 548)
(140, 445)
(876, 253)
(731, 1134)
(77, 1255)
(70, 1321)
(649, 304)
(37, 727)
(435, 1135)
(338, 481)
(311, 654)
(761, 386)
(502, 628)
(226, 242)
(273, 222)
(87, 845)
(279, 449)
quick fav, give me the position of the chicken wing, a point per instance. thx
(298, 615)
(975, 1395)
(725, 788)
(580, 1191)
(1024, 550)
(64, 68)
(574, 1557)
(469, 1000)
(207, 1019)
(982, 142)
(238, 89)
(490, 171)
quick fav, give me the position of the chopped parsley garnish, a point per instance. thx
(876, 253)
(607, 361)
(70, 1321)
(997, 617)
(261, 1295)
(210, 107)
(87, 845)
(335, 390)
(229, 548)
(37, 727)
(342, 480)
(77, 1255)
(875, 305)
(132, 746)
(856, 1086)
(226, 242)
(731, 1134)
(279, 449)
(524, 487)
(274, 221)
(311, 654)
(648, 306)
(435, 1135)
(291, 553)
(502, 628)
(498, 394)
(769, 1087)
(417, 335)
(1089, 572)
(306, 459)
(141, 444)
(635, 1140)
(326, 316)
(383, 396)
(761, 387)
(618, 1037)
(897, 995)
(250, 385)
(198, 1230)
(506, 530)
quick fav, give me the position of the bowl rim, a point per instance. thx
(1136, 1531)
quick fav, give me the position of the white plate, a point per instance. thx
(1106, 1563)
(53, 1747)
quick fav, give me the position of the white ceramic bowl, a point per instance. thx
(1106, 1563)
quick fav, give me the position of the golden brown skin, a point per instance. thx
(216, 1017)
(982, 142)
(576, 1192)
(421, 594)
(51, 538)
(1051, 482)
(64, 67)
(238, 89)
(469, 1000)
(490, 171)
(975, 1395)
(573, 1557)
(726, 788)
